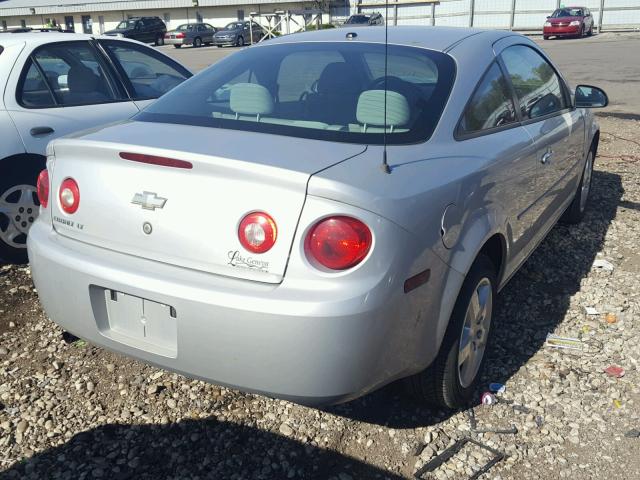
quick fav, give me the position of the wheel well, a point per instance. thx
(33, 158)
(594, 144)
(494, 249)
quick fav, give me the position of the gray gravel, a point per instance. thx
(79, 412)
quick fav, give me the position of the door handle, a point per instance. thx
(37, 131)
(547, 156)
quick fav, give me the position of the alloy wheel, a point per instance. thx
(475, 332)
(19, 208)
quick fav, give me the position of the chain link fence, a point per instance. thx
(520, 15)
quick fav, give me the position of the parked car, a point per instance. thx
(245, 229)
(142, 29)
(54, 84)
(362, 20)
(238, 34)
(196, 34)
(569, 22)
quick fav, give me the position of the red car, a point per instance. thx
(569, 22)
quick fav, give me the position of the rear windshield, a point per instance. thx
(327, 91)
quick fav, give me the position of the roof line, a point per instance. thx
(460, 40)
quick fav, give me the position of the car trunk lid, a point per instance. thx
(188, 216)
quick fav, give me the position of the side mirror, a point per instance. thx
(591, 97)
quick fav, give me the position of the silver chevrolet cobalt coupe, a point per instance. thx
(266, 226)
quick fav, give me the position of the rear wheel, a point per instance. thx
(177, 46)
(575, 212)
(546, 37)
(197, 42)
(19, 207)
(451, 379)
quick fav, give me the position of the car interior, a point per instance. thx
(345, 96)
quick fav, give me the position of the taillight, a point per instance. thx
(338, 243)
(69, 195)
(43, 188)
(180, 35)
(257, 232)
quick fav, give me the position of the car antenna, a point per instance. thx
(385, 165)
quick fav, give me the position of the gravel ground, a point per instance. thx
(76, 411)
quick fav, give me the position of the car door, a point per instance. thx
(556, 128)
(147, 74)
(60, 88)
(490, 125)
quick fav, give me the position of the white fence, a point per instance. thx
(522, 15)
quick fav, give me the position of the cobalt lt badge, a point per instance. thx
(147, 228)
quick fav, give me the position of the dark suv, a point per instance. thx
(143, 29)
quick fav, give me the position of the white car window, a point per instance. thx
(73, 73)
(150, 75)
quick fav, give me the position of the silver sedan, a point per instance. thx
(196, 34)
(313, 230)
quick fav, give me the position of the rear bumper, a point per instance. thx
(561, 31)
(307, 347)
(177, 41)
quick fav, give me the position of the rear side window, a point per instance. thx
(491, 105)
(1, 49)
(70, 73)
(537, 85)
(339, 96)
(34, 92)
(149, 74)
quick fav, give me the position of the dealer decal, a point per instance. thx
(237, 260)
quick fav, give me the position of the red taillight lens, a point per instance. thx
(257, 232)
(338, 243)
(180, 35)
(43, 188)
(69, 195)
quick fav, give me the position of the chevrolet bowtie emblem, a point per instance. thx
(148, 200)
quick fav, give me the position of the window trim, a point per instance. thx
(460, 136)
(122, 74)
(109, 77)
(563, 86)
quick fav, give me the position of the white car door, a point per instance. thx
(61, 88)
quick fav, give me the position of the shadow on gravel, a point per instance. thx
(532, 304)
(190, 449)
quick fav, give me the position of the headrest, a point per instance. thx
(250, 99)
(338, 77)
(370, 109)
(81, 79)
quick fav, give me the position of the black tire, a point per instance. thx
(440, 384)
(177, 46)
(159, 40)
(219, 46)
(13, 172)
(546, 37)
(240, 41)
(582, 31)
(575, 211)
(590, 32)
(197, 42)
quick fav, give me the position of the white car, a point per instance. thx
(54, 84)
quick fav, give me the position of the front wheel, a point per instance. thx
(546, 37)
(240, 42)
(19, 208)
(197, 42)
(451, 379)
(159, 40)
(590, 32)
(575, 212)
(582, 31)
